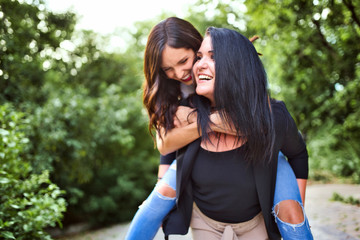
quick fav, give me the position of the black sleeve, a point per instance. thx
(293, 145)
(168, 158)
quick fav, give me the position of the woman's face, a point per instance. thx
(177, 63)
(204, 70)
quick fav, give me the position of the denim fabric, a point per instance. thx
(286, 188)
(151, 213)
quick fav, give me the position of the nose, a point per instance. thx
(178, 73)
(203, 63)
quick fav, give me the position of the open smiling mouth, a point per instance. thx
(187, 78)
(205, 77)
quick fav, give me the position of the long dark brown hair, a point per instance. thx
(160, 94)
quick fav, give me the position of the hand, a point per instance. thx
(219, 126)
(184, 116)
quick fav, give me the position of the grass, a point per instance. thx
(349, 200)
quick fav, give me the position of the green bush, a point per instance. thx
(98, 150)
(28, 202)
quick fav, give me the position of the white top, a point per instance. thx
(186, 90)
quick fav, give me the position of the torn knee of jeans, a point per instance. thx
(289, 211)
(165, 190)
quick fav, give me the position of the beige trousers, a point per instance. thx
(205, 228)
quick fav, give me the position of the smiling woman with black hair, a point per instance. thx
(226, 183)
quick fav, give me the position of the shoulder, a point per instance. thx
(278, 105)
(279, 109)
(282, 117)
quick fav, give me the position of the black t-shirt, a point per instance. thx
(167, 159)
(224, 187)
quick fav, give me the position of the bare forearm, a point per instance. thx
(223, 129)
(302, 188)
(177, 138)
(219, 126)
(162, 170)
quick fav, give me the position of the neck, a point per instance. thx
(221, 142)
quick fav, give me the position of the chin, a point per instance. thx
(187, 83)
(204, 95)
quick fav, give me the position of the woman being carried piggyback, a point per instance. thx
(168, 60)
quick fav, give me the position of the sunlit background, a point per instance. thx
(107, 15)
(110, 17)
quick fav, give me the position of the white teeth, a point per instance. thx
(187, 76)
(204, 77)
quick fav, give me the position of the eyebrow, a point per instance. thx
(210, 51)
(181, 60)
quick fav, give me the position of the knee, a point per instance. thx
(289, 211)
(165, 190)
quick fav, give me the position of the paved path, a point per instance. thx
(333, 220)
(328, 220)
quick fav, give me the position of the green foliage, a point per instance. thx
(320, 82)
(93, 137)
(227, 14)
(28, 32)
(97, 147)
(349, 200)
(86, 126)
(28, 202)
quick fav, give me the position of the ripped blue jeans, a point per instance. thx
(286, 188)
(151, 213)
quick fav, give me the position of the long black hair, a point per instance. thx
(241, 94)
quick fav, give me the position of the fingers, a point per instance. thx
(184, 116)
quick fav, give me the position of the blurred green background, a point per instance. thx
(74, 144)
